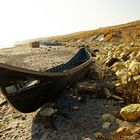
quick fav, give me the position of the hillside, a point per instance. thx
(126, 32)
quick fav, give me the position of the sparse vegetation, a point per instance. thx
(130, 91)
(120, 32)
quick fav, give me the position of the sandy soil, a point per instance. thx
(80, 123)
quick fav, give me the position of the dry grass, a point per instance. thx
(130, 91)
(129, 32)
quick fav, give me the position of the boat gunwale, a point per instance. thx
(47, 73)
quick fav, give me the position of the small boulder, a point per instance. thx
(131, 112)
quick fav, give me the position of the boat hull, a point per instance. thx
(47, 85)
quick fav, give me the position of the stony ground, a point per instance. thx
(73, 121)
(87, 111)
(36, 59)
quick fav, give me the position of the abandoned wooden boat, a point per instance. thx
(27, 90)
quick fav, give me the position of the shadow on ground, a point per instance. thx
(75, 120)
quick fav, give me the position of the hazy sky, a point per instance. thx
(23, 19)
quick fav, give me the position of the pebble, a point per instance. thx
(107, 93)
(86, 138)
(16, 115)
(23, 118)
(108, 117)
(2, 101)
(98, 135)
(75, 108)
(1, 125)
(106, 125)
(49, 111)
(120, 99)
(119, 122)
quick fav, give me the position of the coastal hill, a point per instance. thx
(124, 33)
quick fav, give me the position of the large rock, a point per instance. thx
(131, 112)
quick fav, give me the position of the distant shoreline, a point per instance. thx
(3, 46)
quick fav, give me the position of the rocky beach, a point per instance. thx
(105, 105)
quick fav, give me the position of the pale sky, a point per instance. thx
(25, 19)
